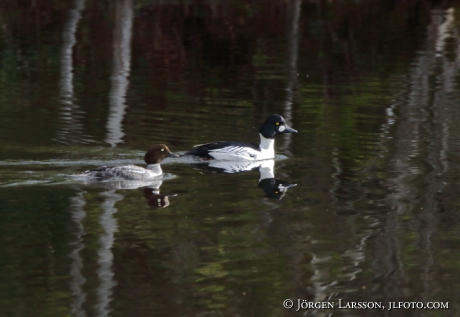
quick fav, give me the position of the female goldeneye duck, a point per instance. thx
(152, 158)
(238, 151)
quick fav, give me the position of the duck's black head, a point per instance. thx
(157, 153)
(275, 125)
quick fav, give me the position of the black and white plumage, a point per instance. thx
(224, 150)
(238, 151)
(152, 158)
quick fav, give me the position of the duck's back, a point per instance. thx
(224, 150)
(126, 172)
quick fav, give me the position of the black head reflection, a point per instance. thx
(274, 188)
(155, 199)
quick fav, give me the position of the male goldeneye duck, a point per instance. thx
(238, 151)
(152, 158)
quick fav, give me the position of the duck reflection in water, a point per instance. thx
(155, 199)
(124, 184)
(151, 189)
(273, 188)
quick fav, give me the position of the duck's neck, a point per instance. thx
(156, 168)
(267, 147)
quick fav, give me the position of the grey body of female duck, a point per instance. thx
(152, 158)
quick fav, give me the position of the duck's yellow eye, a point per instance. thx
(277, 123)
(276, 192)
(162, 150)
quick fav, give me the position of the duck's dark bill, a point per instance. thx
(171, 154)
(289, 130)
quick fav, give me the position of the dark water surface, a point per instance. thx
(371, 86)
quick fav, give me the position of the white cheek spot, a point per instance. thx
(281, 128)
